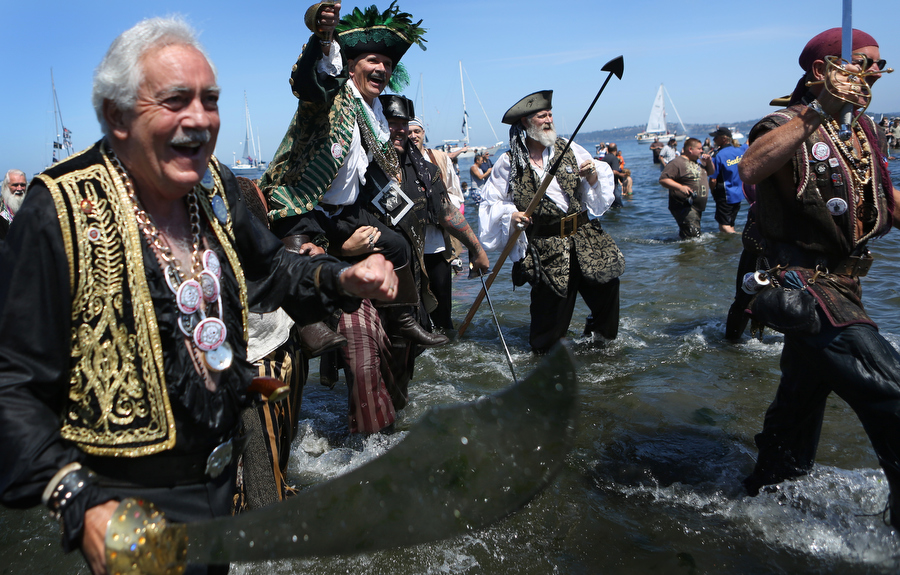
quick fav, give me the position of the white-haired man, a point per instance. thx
(12, 194)
(564, 250)
(138, 265)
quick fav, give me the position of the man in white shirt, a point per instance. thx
(564, 250)
(668, 153)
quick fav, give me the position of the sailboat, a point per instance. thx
(62, 145)
(454, 145)
(656, 125)
(250, 157)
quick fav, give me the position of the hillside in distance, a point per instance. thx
(699, 131)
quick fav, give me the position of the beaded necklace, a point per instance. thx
(204, 329)
(861, 165)
(383, 152)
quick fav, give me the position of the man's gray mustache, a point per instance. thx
(190, 137)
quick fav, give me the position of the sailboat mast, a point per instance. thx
(63, 141)
(683, 129)
(465, 113)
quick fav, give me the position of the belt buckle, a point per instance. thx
(219, 459)
(562, 225)
(861, 264)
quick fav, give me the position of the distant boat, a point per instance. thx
(454, 145)
(250, 158)
(62, 145)
(735, 134)
(656, 125)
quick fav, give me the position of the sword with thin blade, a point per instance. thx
(487, 294)
(460, 468)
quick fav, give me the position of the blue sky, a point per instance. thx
(720, 61)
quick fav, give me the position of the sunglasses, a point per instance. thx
(864, 62)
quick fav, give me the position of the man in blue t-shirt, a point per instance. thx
(725, 183)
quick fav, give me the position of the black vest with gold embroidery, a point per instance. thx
(567, 177)
(118, 403)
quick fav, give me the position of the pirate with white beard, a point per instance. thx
(564, 250)
(12, 194)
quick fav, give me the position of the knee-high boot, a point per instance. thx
(401, 320)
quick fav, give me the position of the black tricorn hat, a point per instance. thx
(389, 33)
(530, 104)
(396, 106)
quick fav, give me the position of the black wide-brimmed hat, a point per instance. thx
(530, 104)
(396, 106)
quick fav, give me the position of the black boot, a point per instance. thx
(317, 338)
(402, 323)
(405, 325)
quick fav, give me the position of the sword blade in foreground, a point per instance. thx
(460, 468)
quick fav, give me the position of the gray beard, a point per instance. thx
(545, 137)
(12, 201)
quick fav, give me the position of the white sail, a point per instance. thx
(657, 128)
(657, 121)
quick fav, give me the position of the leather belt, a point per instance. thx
(562, 227)
(166, 469)
(790, 255)
(854, 266)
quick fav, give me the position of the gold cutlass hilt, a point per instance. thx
(139, 540)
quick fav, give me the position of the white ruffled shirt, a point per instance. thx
(497, 204)
(351, 176)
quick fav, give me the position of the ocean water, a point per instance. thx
(665, 433)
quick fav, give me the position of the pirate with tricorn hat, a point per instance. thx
(339, 139)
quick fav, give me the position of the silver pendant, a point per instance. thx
(187, 323)
(210, 286)
(211, 262)
(210, 334)
(219, 359)
(219, 209)
(219, 459)
(188, 296)
(172, 278)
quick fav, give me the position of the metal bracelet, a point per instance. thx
(816, 107)
(67, 489)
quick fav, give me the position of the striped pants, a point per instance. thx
(367, 357)
(271, 427)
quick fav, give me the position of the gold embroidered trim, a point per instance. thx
(225, 237)
(118, 401)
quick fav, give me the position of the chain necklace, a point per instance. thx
(861, 165)
(206, 334)
(384, 153)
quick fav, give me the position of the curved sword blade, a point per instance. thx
(459, 468)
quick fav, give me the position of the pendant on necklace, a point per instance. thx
(187, 323)
(189, 296)
(211, 262)
(210, 286)
(219, 359)
(210, 334)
